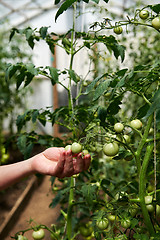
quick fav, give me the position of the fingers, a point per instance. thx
(67, 163)
(78, 163)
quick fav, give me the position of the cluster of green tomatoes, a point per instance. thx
(112, 148)
(143, 14)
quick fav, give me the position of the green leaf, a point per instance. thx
(64, 7)
(96, 1)
(155, 103)
(35, 115)
(89, 193)
(101, 89)
(106, 1)
(13, 31)
(28, 78)
(54, 74)
(155, 8)
(28, 150)
(93, 83)
(20, 79)
(21, 142)
(56, 2)
(142, 111)
(114, 106)
(43, 32)
(73, 75)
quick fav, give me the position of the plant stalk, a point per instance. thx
(142, 187)
(142, 143)
(70, 207)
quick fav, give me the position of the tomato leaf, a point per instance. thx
(64, 7)
(155, 8)
(43, 32)
(101, 89)
(54, 74)
(73, 75)
(56, 2)
(89, 193)
(155, 103)
(93, 83)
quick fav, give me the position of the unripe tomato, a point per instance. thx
(144, 14)
(133, 211)
(136, 124)
(20, 237)
(102, 224)
(157, 210)
(68, 147)
(125, 223)
(76, 147)
(156, 23)
(110, 149)
(148, 199)
(150, 207)
(85, 231)
(112, 217)
(118, 30)
(127, 138)
(39, 234)
(85, 152)
(118, 127)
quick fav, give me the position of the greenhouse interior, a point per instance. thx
(80, 120)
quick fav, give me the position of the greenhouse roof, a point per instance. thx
(19, 12)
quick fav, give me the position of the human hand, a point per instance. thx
(58, 162)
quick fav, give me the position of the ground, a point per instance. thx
(37, 208)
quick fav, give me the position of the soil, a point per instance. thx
(36, 207)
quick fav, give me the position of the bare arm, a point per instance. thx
(53, 161)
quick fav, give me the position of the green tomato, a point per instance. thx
(156, 23)
(148, 199)
(110, 149)
(20, 237)
(102, 224)
(68, 147)
(157, 210)
(111, 217)
(118, 30)
(85, 152)
(136, 124)
(144, 14)
(38, 234)
(126, 138)
(150, 207)
(125, 223)
(118, 127)
(85, 231)
(76, 147)
(133, 211)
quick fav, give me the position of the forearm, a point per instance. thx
(10, 174)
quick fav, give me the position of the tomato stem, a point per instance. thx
(70, 207)
(142, 143)
(142, 192)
